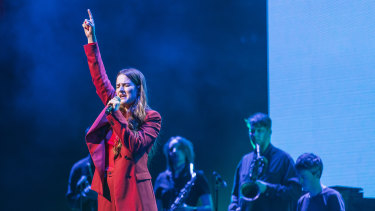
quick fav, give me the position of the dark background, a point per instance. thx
(205, 64)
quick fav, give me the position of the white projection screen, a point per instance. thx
(321, 66)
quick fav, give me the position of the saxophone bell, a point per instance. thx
(250, 191)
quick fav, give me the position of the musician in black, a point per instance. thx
(174, 181)
(318, 197)
(277, 185)
(79, 194)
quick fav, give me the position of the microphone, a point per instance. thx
(110, 108)
(219, 179)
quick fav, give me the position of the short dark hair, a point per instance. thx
(259, 120)
(311, 162)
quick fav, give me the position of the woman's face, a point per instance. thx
(126, 90)
(176, 154)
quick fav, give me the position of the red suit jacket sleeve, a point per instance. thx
(98, 74)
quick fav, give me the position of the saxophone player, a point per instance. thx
(180, 185)
(277, 185)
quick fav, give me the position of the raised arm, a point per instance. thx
(98, 74)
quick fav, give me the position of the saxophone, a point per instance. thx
(249, 190)
(184, 192)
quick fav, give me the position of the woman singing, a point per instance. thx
(122, 136)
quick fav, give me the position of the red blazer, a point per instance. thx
(132, 180)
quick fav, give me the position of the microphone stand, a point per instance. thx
(80, 197)
(216, 194)
(218, 183)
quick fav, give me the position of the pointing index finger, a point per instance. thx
(90, 15)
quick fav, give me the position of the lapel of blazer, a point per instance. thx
(95, 139)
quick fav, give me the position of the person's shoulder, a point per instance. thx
(330, 192)
(201, 181)
(281, 153)
(277, 150)
(247, 156)
(152, 114)
(81, 163)
(333, 197)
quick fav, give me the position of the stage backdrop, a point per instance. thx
(321, 85)
(206, 69)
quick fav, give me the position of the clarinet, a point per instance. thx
(184, 192)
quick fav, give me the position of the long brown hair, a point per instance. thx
(186, 147)
(138, 109)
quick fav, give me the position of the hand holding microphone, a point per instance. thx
(113, 105)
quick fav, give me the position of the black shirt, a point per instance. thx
(84, 167)
(283, 189)
(327, 200)
(167, 188)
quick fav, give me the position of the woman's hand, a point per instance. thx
(115, 103)
(89, 28)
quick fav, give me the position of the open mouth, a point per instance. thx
(122, 96)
